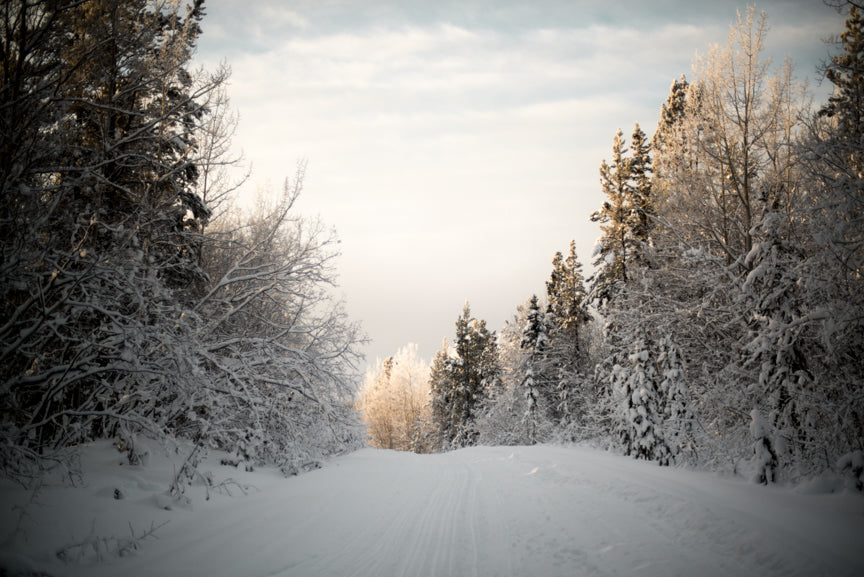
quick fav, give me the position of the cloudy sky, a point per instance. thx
(455, 145)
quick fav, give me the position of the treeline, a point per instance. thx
(134, 300)
(724, 321)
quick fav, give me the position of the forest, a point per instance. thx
(722, 325)
(136, 301)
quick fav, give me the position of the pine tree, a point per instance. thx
(779, 352)
(672, 114)
(846, 72)
(643, 194)
(441, 390)
(614, 249)
(534, 342)
(835, 159)
(567, 315)
(678, 418)
(642, 432)
(459, 384)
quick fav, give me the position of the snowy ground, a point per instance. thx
(526, 511)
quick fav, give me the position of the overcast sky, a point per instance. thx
(455, 145)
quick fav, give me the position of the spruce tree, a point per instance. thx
(459, 384)
(678, 418)
(441, 390)
(642, 433)
(836, 281)
(672, 114)
(846, 72)
(643, 194)
(535, 341)
(777, 349)
(566, 317)
(616, 217)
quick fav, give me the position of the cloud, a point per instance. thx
(455, 145)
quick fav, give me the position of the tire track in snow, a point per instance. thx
(542, 511)
(441, 520)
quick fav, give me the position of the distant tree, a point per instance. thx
(394, 403)
(376, 406)
(504, 417)
(459, 384)
(441, 391)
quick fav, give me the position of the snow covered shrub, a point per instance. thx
(851, 466)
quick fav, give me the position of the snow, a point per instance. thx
(484, 511)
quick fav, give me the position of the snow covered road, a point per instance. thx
(505, 511)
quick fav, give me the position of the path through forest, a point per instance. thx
(505, 511)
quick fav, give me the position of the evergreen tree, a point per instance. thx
(615, 247)
(566, 317)
(642, 190)
(459, 384)
(534, 342)
(441, 390)
(642, 431)
(835, 159)
(676, 404)
(779, 350)
(846, 72)
(672, 114)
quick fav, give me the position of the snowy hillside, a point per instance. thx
(538, 511)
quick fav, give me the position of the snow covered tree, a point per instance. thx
(615, 246)
(127, 309)
(777, 350)
(459, 384)
(376, 406)
(731, 145)
(642, 427)
(567, 316)
(642, 189)
(672, 114)
(725, 154)
(99, 217)
(441, 390)
(835, 159)
(626, 218)
(394, 403)
(272, 334)
(678, 418)
(502, 419)
(535, 340)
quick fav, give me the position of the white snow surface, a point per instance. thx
(506, 511)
